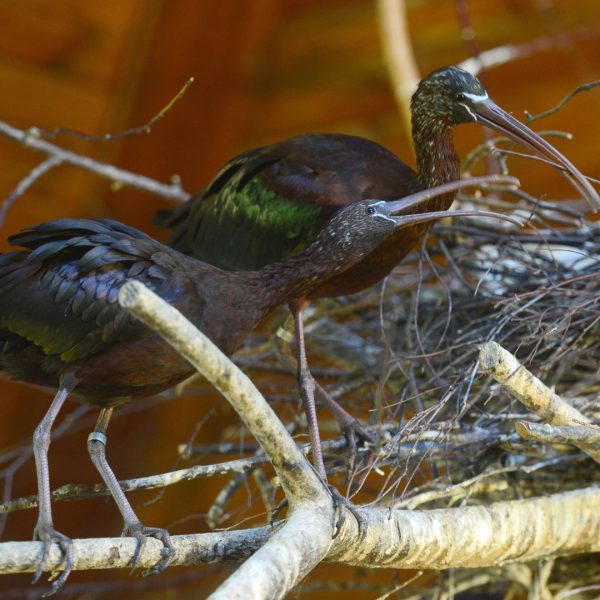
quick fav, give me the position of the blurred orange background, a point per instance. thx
(264, 70)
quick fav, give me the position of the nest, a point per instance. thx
(446, 434)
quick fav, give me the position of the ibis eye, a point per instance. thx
(460, 97)
(371, 210)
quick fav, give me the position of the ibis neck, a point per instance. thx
(298, 275)
(437, 160)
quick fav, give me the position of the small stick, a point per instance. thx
(105, 137)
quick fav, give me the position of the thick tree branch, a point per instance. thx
(399, 56)
(475, 536)
(537, 397)
(305, 539)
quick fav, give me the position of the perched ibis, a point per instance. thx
(272, 202)
(61, 325)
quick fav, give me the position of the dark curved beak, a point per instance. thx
(492, 116)
(403, 211)
(409, 204)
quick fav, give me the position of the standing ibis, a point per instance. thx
(271, 202)
(61, 325)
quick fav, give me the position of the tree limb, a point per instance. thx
(474, 536)
(399, 56)
(120, 177)
(305, 539)
(537, 397)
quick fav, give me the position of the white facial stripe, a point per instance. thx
(385, 217)
(466, 106)
(475, 97)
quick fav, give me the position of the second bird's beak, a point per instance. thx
(404, 212)
(489, 114)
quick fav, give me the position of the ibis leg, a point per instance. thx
(133, 527)
(306, 383)
(307, 393)
(351, 427)
(44, 529)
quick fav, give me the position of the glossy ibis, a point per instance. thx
(62, 327)
(271, 202)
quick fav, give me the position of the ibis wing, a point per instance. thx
(270, 202)
(60, 294)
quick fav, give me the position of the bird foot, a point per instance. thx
(141, 534)
(46, 534)
(356, 435)
(343, 505)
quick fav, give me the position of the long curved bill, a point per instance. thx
(398, 209)
(491, 115)
(412, 202)
(407, 220)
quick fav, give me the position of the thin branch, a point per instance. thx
(428, 442)
(27, 182)
(500, 55)
(145, 128)
(71, 491)
(586, 87)
(119, 177)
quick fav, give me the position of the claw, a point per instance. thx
(48, 536)
(356, 434)
(141, 534)
(342, 505)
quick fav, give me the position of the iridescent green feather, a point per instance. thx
(246, 227)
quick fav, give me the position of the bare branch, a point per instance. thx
(525, 387)
(474, 536)
(145, 128)
(398, 52)
(27, 182)
(586, 87)
(119, 177)
(239, 390)
(71, 491)
(528, 389)
(305, 538)
(558, 434)
(500, 55)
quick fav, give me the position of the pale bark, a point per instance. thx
(399, 55)
(305, 538)
(474, 536)
(539, 399)
(278, 558)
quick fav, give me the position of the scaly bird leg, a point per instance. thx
(351, 427)
(306, 383)
(133, 526)
(44, 529)
(307, 391)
